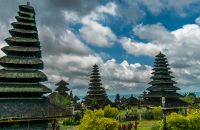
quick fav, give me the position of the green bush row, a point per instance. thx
(179, 122)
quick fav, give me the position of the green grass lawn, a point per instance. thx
(143, 125)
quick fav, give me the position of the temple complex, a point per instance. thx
(21, 93)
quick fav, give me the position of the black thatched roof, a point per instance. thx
(19, 109)
(168, 102)
(23, 87)
(62, 86)
(21, 49)
(26, 62)
(22, 41)
(131, 101)
(76, 98)
(62, 83)
(22, 74)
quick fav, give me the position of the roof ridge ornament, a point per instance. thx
(28, 3)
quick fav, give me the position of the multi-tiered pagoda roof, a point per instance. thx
(96, 95)
(20, 88)
(62, 88)
(162, 85)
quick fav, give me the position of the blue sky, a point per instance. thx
(121, 36)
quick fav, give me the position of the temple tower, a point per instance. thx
(162, 85)
(96, 95)
(21, 91)
(62, 88)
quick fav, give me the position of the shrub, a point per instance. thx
(96, 120)
(193, 121)
(111, 112)
(148, 115)
(71, 121)
(133, 111)
(157, 113)
(176, 122)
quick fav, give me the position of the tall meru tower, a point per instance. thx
(21, 93)
(162, 85)
(96, 96)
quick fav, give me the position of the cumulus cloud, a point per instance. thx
(97, 34)
(92, 31)
(139, 48)
(154, 32)
(109, 8)
(125, 76)
(67, 42)
(197, 20)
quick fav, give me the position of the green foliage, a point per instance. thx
(99, 120)
(193, 121)
(133, 111)
(157, 113)
(176, 122)
(15, 126)
(71, 121)
(59, 100)
(189, 98)
(155, 127)
(111, 112)
(192, 94)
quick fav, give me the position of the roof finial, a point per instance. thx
(28, 3)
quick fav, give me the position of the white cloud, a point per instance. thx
(92, 31)
(139, 48)
(66, 42)
(109, 8)
(125, 76)
(154, 32)
(197, 20)
(97, 34)
(71, 16)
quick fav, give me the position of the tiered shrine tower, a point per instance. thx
(21, 93)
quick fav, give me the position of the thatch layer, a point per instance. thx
(18, 60)
(25, 74)
(23, 87)
(30, 108)
(21, 49)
